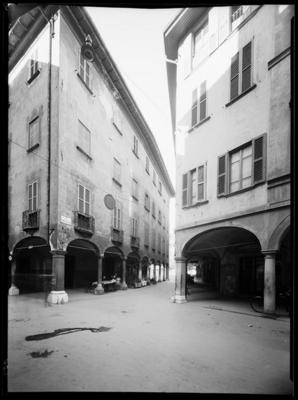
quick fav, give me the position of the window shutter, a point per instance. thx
(222, 173)
(246, 67)
(200, 182)
(234, 75)
(194, 107)
(203, 100)
(259, 154)
(184, 190)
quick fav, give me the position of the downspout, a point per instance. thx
(51, 35)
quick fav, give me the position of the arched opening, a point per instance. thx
(283, 264)
(145, 269)
(132, 269)
(227, 260)
(112, 264)
(33, 264)
(81, 261)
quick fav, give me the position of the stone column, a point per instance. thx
(58, 296)
(99, 289)
(124, 285)
(269, 282)
(13, 290)
(159, 272)
(163, 272)
(180, 281)
(154, 271)
(140, 271)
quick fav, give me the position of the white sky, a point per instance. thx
(134, 38)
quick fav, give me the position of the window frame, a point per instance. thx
(254, 182)
(117, 171)
(134, 226)
(34, 120)
(31, 198)
(147, 167)
(135, 189)
(83, 199)
(135, 146)
(240, 70)
(117, 216)
(147, 201)
(83, 128)
(82, 73)
(191, 199)
(34, 67)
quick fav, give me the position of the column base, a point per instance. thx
(124, 286)
(99, 289)
(178, 299)
(57, 297)
(13, 291)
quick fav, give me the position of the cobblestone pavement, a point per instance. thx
(204, 346)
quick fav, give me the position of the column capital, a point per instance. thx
(58, 252)
(180, 259)
(269, 253)
(124, 258)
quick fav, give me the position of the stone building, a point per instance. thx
(88, 189)
(230, 94)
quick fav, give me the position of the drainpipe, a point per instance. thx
(51, 35)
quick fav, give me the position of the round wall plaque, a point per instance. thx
(109, 201)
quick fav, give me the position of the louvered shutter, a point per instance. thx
(201, 183)
(259, 153)
(234, 75)
(194, 108)
(246, 67)
(184, 190)
(222, 175)
(203, 100)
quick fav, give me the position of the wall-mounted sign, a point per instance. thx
(109, 201)
(66, 220)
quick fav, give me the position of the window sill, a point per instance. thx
(117, 182)
(241, 95)
(85, 84)
(135, 198)
(241, 190)
(35, 75)
(199, 124)
(198, 203)
(147, 171)
(147, 209)
(153, 216)
(33, 148)
(84, 152)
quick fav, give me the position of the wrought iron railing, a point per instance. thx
(84, 223)
(31, 220)
(116, 235)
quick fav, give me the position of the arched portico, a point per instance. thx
(31, 265)
(227, 258)
(114, 265)
(81, 264)
(133, 269)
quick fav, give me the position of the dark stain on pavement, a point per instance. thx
(39, 354)
(65, 331)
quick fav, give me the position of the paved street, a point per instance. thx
(152, 345)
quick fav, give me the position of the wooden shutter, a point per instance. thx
(184, 190)
(222, 175)
(203, 100)
(194, 108)
(259, 157)
(246, 67)
(234, 75)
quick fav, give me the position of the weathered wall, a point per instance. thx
(96, 112)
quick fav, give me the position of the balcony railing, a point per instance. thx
(83, 223)
(237, 14)
(135, 242)
(241, 14)
(116, 235)
(31, 220)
